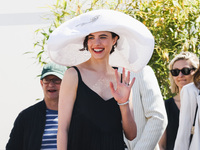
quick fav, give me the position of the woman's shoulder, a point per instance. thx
(169, 101)
(71, 74)
(71, 70)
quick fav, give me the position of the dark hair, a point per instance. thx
(196, 78)
(85, 46)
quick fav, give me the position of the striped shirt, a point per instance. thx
(49, 139)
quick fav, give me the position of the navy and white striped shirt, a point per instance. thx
(49, 139)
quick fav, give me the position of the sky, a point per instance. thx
(20, 86)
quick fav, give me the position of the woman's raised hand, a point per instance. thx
(123, 89)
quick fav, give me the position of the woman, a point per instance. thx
(94, 99)
(190, 99)
(182, 68)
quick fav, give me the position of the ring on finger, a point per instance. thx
(127, 83)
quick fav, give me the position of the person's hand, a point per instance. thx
(122, 91)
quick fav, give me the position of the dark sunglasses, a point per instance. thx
(185, 71)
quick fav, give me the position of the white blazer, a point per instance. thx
(189, 99)
(149, 111)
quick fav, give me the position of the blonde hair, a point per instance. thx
(182, 56)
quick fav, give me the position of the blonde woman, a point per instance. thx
(182, 69)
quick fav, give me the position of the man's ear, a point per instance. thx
(41, 82)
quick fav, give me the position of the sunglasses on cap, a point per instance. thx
(184, 71)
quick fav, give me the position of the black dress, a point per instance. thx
(173, 122)
(95, 123)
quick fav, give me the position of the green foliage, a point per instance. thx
(174, 24)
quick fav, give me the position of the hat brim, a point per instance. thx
(134, 49)
(52, 73)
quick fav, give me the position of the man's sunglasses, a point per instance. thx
(185, 71)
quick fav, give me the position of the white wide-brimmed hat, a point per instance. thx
(134, 47)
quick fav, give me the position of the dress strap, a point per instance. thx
(79, 74)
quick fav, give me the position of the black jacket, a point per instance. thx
(28, 128)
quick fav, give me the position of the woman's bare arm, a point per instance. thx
(66, 103)
(121, 95)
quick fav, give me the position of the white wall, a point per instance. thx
(19, 86)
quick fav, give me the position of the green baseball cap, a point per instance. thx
(53, 69)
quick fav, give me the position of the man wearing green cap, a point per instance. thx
(36, 127)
